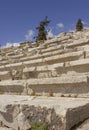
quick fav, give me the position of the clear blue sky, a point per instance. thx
(18, 18)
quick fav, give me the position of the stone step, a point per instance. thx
(36, 56)
(76, 43)
(48, 54)
(18, 56)
(4, 62)
(60, 85)
(65, 57)
(52, 48)
(10, 67)
(44, 71)
(12, 75)
(56, 41)
(37, 72)
(5, 75)
(45, 61)
(56, 50)
(12, 86)
(71, 68)
(72, 85)
(77, 67)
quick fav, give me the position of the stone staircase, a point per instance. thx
(49, 66)
(57, 69)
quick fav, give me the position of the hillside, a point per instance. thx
(47, 85)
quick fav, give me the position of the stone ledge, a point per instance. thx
(69, 111)
(58, 86)
(43, 61)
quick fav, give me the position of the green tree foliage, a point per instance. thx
(42, 33)
(79, 25)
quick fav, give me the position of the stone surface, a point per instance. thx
(58, 67)
(58, 113)
(5, 75)
(83, 126)
(5, 128)
(57, 85)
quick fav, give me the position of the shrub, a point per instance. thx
(35, 126)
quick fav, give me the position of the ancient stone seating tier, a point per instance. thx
(73, 86)
(46, 78)
(48, 67)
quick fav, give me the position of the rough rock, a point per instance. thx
(57, 113)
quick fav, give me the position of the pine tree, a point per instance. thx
(79, 25)
(41, 30)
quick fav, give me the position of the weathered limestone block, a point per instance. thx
(55, 59)
(42, 55)
(87, 52)
(24, 116)
(16, 56)
(17, 74)
(13, 86)
(48, 60)
(79, 42)
(47, 54)
(77, 62)
(44, 71)
(73, 68)
(4, 62)
(14, 66)
(65, 57)
(29, 72)
(21, 112)
(62, 38)
(33, 62)
(5, 75)
(58, 86)
(43, 67)
(2, 68)
(53, 48)
(10, 53)
(77, 67)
